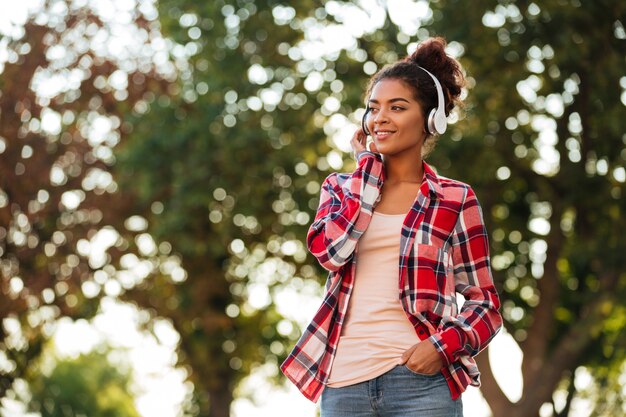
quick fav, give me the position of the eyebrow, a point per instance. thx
(393, 100)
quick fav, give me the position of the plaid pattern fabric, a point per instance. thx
(443, 250)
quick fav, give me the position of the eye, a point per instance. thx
(373, 110)
(397, 108)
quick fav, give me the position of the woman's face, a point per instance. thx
(395, 119)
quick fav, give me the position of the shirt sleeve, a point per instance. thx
(345, 211)
(479, 319)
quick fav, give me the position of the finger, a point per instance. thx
(358, 141)
(373, 147)
(360, 136)
(407, 353)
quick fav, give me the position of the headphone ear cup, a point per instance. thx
(440, 123)
(437, 122)
(363, 122)
(431, 125)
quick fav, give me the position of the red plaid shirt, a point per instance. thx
(443, 250)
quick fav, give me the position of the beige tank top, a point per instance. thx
(376, 331)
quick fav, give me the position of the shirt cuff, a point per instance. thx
(364, 154)
(448, 344)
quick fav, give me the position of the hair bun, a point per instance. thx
(431, 55)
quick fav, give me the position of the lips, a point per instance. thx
(383, 134)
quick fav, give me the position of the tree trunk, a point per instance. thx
(220, 399)
(565, 356)
(498, 402)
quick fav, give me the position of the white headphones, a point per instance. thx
(437, 122)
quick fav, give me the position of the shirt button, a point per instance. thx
(421, 331)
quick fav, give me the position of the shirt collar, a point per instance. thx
(432, 182)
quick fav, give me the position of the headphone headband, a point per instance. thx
(437, 122)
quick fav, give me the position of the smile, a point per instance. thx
(383, 134)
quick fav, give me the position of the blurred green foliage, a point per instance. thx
(88, 385)
(217, 181)
(63, 95)
(224, 159)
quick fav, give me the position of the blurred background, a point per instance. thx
(160, 162)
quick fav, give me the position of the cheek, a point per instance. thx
(414, 124)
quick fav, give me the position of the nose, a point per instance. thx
(380, 117)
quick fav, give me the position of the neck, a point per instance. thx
(403, 168)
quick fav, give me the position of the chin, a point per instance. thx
(385, 150)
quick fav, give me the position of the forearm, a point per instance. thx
(344, 213)
(479, 319)
(471, 331)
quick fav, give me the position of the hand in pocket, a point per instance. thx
(422, 358)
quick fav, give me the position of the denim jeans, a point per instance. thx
(397, 393)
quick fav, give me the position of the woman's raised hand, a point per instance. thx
(359, 142)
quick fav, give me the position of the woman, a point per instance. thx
(399, 242)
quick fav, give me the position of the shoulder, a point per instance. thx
(455, 190)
